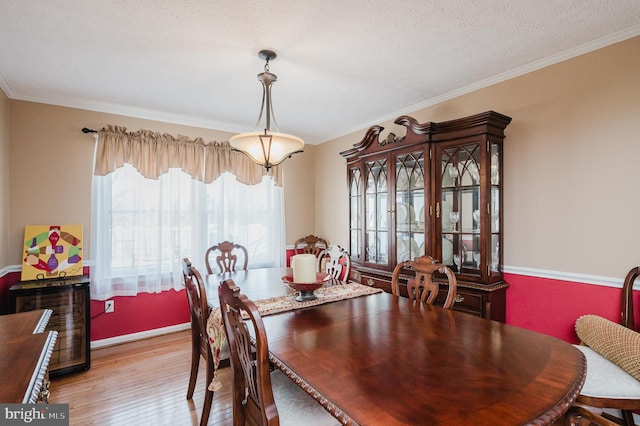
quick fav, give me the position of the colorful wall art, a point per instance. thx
(51, 251)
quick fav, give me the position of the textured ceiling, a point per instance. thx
(342, 64)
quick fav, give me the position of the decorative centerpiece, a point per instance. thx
(305, 279)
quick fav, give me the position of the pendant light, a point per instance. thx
(264, 146)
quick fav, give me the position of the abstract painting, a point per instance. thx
(51, 251)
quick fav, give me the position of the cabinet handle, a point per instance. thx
(459, 298)
(370, 282)
(438, 210)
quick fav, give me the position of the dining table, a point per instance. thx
(381, 359)
(25, 351)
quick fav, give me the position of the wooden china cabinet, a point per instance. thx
(436, 191)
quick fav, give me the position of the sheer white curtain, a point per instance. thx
(142, 228)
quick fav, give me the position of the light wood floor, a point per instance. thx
(141, 383)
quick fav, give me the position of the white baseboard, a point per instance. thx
(138, 336)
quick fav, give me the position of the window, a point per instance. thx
(142, 228)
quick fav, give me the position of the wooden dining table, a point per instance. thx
(386, 360)
(25, 352)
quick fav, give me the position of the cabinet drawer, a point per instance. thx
(376, 282)
(471, 301)
(465, 301)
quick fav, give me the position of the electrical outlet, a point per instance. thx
(109, 306)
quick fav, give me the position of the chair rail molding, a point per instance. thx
(567, 276)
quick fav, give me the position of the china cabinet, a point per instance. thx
(437, 190)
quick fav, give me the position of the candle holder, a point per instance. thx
(306, 289)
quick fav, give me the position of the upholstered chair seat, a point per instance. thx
(612, 351)
(606, 379)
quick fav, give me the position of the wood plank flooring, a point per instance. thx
(141, 383)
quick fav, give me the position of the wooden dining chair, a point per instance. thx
(200, 347)
(228, 257)
(311, 244)
(422, 287)
(261, 397)
(335, 261)
(581, 416)
(614, 389)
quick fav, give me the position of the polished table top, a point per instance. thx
(25, 351)
(386, 360)
(256, 284)
(23, 323)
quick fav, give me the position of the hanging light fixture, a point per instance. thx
(264, 146)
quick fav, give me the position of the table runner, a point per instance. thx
(273, 305)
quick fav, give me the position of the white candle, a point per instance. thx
(304, 268)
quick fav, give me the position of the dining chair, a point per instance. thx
(200, 347)
(606, 386)
(261, 397)
(229, 257)
(311, 244)
(422, 287)
(335, 261)
(577, 413)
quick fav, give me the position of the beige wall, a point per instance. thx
(51, 165)
(4, 179)
(571, 177)
(571, 172)
(299, 184)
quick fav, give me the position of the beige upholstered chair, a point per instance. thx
(261, 397)
(608, 386)
(229, 257)
(422, 287)
(199, 309)
(336, 262)
(310, 244)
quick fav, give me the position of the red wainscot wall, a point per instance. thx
(552, 306)
(143, 312)
(544, 305)
(133, 314)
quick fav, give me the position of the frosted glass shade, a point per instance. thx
(267, 149)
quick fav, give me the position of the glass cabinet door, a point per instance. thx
(355, 216)
(376, 213)
(495, 256)
(468, 212)
(410, 206)
(459, 212)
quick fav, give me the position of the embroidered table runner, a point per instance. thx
(274, 305)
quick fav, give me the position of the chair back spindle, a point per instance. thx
(422, 287)
(335, 261)
(229, 257)
(311, 244)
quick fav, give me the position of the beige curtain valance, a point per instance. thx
(154, 153)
